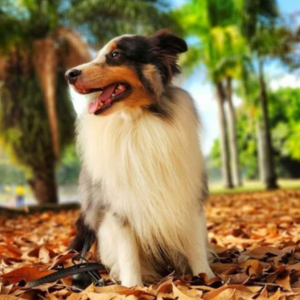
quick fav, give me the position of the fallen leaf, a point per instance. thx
(26, 273)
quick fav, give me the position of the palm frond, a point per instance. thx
(118, 17)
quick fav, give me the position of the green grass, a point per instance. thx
(253, 186)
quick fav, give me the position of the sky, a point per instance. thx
(203, 93)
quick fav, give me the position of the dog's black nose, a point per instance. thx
(71, 75)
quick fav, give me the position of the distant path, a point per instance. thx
(67, 194)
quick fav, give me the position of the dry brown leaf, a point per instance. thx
(275, 296)
(180, 292)
(105, 296)
(254, 267)
(62, 258)
(26, 273)
(8, 297)
(220, 294)
(256, 236)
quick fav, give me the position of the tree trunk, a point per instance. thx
(271, 178)
(227, 180)
(44, 186)
(232, 136)
(45, 62)
(260, 151)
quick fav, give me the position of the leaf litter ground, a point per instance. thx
(255, 236)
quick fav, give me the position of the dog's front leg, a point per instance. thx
(197, 251)
(119, 250)
(128, 258)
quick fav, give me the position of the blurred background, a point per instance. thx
(242, 69)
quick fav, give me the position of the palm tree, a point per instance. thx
(225, 159)
(218, 47)
(268, 37)
(248, 90)
(232, 52)
(233, 135)
(259, 26)
(38, 44)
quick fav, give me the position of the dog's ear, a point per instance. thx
(169, 42)
(165, 48)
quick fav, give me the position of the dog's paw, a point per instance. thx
(130, 282)
(209, 273)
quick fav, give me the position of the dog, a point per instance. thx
(142, 183)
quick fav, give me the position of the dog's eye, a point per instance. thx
(115, 54)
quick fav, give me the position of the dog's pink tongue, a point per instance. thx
(106, 94)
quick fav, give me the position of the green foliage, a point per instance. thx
(69, 167)
(217, 41)
(258, 15)
(230, 39)
(284, 109)
(24, 124)
(268, 34)
(23, 22)
(11, 174)
(102, 20)
(98, 20)
(247, 144)
(284, 115)
(215, 154)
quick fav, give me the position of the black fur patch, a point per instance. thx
(158, 110)
(82, 232)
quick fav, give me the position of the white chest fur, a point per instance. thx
(151, 168)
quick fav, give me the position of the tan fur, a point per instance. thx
(100, 75)
(151, 73)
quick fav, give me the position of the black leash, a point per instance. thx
(83, 273)
(77, 269)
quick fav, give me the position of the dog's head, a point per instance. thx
(131, 71)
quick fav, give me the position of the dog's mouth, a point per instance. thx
(107, 96)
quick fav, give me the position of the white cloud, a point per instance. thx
(286, 80)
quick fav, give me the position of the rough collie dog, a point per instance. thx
(142, 183)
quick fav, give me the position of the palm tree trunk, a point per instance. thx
(45, 62)
(44, 186)
(270, 178)
(232, 136)
(227, 180)
(260, 151)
